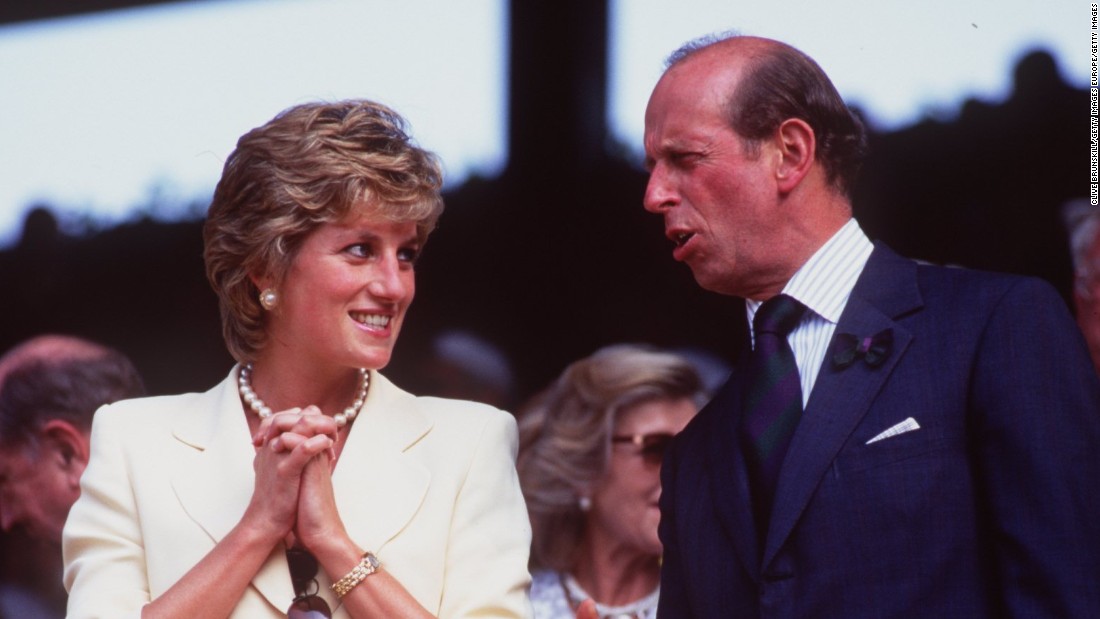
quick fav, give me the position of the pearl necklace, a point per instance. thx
(244, 385)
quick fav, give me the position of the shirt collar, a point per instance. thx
(825, 281)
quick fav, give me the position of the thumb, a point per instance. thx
(587, 610)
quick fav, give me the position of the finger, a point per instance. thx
(286, 441)
(313, 421)
(304, 450)
(289, 441)
(307, 421)
(265, 432)
(315, 445)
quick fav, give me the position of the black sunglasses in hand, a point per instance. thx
(303, 573)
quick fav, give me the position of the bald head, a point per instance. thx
(60, 377)
(50, 349)
(767, 82)
(726, 45)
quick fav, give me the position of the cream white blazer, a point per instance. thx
(428, 484)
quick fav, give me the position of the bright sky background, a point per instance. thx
(100, 112)
(109, 113)
(897, 60)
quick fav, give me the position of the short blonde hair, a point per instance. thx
(311, 164)
(565, 436)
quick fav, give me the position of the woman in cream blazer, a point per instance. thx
(192, 504)
(428, 483)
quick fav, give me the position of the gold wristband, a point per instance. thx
(368, 565)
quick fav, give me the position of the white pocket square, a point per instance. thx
(908, 425)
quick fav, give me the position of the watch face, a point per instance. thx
(309, 607)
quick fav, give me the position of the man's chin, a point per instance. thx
(713, 282)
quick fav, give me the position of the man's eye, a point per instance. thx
(685, 158)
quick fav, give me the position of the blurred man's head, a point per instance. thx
(1083, 221)
(49, 388)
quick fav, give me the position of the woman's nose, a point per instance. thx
(388, 281)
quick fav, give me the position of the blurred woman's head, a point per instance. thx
(590, 449)
(312, 165)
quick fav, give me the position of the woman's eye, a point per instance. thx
(408, 254)
(360, 250)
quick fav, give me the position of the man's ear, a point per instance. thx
(797, 153)
(68, 447)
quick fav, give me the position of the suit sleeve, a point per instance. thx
(673, 601)
(102, 542)
(1036, 432)
(490, 538)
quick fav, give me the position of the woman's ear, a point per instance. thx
(67, 447)
(261, 281)
(797, 153)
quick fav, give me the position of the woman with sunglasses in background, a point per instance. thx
(589, 464)
(306, 485)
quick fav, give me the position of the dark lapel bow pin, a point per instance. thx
(874, 349)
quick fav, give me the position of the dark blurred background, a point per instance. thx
(555, 257)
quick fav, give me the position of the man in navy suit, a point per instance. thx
(944, 459)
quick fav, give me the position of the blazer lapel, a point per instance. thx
(378, 486)
(729, 479)
(886, 290)
(215, 483)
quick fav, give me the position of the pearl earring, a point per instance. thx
(268, 299)
(585, 503)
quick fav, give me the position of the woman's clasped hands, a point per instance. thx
(295, 455)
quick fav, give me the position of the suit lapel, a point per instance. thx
(215, 483)
(886, 290)
(727, 470)
(378, 486)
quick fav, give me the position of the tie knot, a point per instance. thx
(779, 314)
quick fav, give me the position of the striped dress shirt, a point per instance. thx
(823, 285)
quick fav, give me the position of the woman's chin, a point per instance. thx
(374, 358)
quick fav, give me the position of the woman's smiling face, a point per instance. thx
(344, 297)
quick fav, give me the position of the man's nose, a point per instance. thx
(8, 517)
(659, 196)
